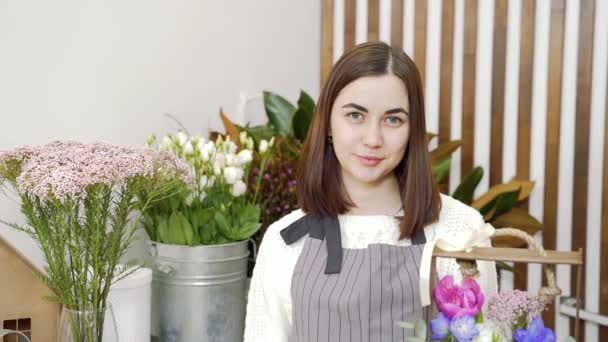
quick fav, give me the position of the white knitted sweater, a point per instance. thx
(269, 312)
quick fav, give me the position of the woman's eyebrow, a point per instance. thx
(397, 110)
(356, 106)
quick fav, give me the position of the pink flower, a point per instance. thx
(458, 301)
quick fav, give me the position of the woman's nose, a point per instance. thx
(373, 136)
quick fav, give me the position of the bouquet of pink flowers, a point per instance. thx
(511, 315)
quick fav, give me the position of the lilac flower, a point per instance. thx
(440, 327)
(513, 307)
(464, 329)
(536, 332)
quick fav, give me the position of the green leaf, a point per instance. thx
(186, 229)
(303, 116)
(464, 192)
(500, 204)
(247, 230)
(405, 325)
(442, 169)
(416, 339)
(420, 329)
(279, 112)
(163, 230)
(259, 132)
(479, 317)
(223, 225)
(176, 232)
(504, 266)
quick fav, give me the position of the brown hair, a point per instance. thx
(320, 188)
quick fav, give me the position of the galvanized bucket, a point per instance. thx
(198, 293)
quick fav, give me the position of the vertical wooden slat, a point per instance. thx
(604, 238)
(581, 143)
(498, 90)
(556, 45)
(350, 23)
(397, 23)
(445, 90)
(327, 40)
(524, 112)
(468, 86)
(373, 19)
(420, 37)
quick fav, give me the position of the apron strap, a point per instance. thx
(321, 228)
(419, 237)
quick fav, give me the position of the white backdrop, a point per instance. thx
(109, 70)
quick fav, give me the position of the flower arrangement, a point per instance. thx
(78, 201)
(221, 204)
(512, 315)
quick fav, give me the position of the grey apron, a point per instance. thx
(360, 294)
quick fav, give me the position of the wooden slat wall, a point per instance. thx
(556, 43)
(525, 110)
(581, 148)
(468, 86)
(525, 101)
(604, 236)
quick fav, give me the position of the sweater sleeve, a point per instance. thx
(460, 217)
(269, 303)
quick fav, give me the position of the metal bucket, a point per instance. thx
(198, 293)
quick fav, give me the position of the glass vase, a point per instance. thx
(87, 325)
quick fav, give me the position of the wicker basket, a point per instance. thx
(535, 254)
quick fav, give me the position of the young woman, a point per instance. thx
(346, 266)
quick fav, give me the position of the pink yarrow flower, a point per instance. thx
(458, 300)
(64, 169)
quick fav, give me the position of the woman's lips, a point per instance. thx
(369, 161)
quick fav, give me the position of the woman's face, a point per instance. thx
(370, 128)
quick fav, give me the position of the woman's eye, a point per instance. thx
(355, 115)
(394, 120)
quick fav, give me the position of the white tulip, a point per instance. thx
(232, 160)
(250, 143)
(182, 138)
(200, 143)
(271, 142)
(263, 146)
(217, 169)
(244, 157)
(190, 198)
(207, 150)
(167, 143)
(230, 147)
(238, 188)
(220, 159)
(233, 174)
(243, 138)
(188, 148)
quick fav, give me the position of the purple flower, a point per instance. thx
(440, 327)
(458, 301)
(536, 332)
(464, 329)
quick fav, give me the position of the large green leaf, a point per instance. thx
(303, 116)
(464, 192)
(176, 232)
(500, 205)
(279, 112)
(442, 169)
(258, 132)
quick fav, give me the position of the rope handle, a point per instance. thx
(546, 294)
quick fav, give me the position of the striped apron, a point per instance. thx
(341, 294)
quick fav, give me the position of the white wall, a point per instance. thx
(109, 70)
